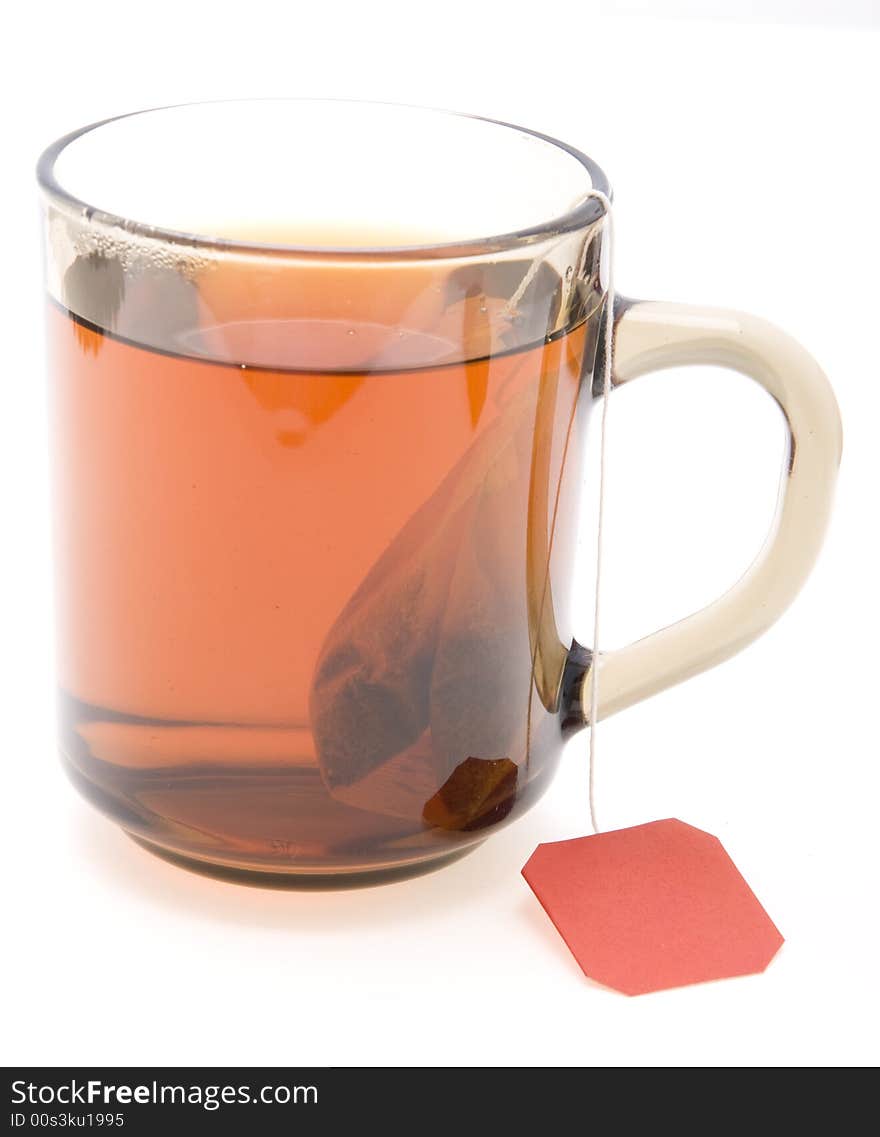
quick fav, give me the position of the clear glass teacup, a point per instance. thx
(321, 377)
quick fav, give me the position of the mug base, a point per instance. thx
(304, 879)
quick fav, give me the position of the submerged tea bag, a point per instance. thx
(423, 663)
(418, 701)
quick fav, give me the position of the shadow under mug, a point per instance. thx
(317, 445)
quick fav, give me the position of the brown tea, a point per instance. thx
(312, 614)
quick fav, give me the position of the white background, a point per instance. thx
(743, 156)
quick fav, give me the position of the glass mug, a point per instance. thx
(321, 374)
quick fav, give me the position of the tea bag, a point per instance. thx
(421, 664)
(419, 698)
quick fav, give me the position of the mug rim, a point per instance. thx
(585, 213)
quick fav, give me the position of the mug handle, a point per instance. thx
(651, 336)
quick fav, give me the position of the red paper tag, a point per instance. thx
(655, 906)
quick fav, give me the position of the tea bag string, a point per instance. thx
(608, 342)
